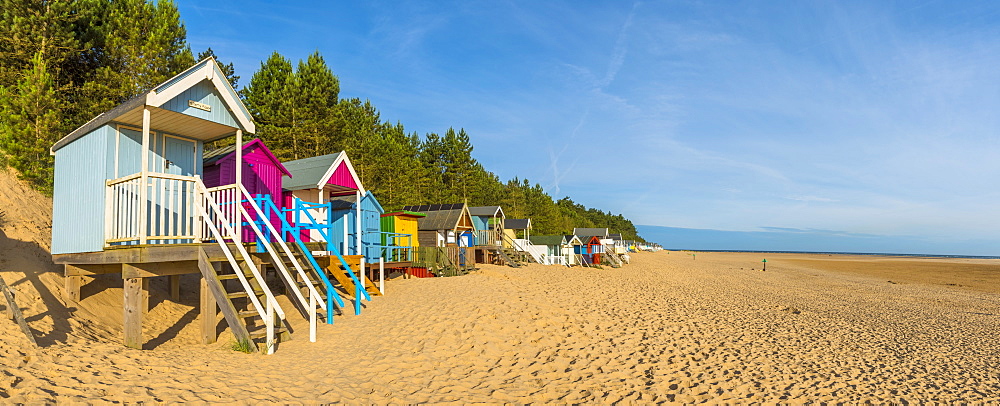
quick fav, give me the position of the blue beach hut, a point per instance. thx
(345, 225)
(155, 139)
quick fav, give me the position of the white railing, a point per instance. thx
(524, 245)
(315, 301)
(169, 214)
(207, 208)
(488, 237)
(555, 260)
(225, 197)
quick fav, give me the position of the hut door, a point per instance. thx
(178, 156)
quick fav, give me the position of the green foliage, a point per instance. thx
(227, 68)
(244, 346)
(402, 169)
(64, 62)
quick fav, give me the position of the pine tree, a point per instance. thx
(30, 122)
(144, 44)
(227, 68)
(315, 92)
(266, 99)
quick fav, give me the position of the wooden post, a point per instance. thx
(312, 316)
(357, 223)
(238, 238)
(381, 275)
(209, 311)
(135, 301)
(344, 251)
(71, 284)
(362, 274)
(143, 185)
(175, 287)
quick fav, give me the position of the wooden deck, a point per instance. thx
(137, 264)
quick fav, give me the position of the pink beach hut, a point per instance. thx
(262, 174)
(317, 180)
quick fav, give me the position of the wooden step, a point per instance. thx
(234, 295)
(228, 276)
(246, 314)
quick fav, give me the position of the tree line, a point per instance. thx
(64, 62)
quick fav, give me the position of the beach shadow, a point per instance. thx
(190, 317)
(55, 308)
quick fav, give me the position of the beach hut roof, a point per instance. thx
(590, 232)
(348, 201)
(316, 172)
(490, 211)
(439, 216)
(131, 111)
(616, 237)
(216, 156)
(547, 239)
(572, 240)
(404, 213)
(517, 224)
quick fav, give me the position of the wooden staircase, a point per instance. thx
(246, 322)
(338, 272)
(612, 257)
(507, 259)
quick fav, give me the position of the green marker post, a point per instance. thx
(765, 263)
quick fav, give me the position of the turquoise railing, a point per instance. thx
(300, 209)
(268, 206)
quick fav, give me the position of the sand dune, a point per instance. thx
(667, 328)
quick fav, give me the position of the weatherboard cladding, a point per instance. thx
(78, 197)
(83, 166)
(344, 208)
(308, 172)
(203, 92)
(342, 177)
(208, 94)
(262, 174)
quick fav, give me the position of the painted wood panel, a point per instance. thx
(204, 93)
(342, 177)
(78, 199)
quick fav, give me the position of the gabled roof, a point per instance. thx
(348, 201)
(404, 213)
(315, 172)
(486, 211)
(572, 240)
(516, 224)
(590, 232)
(216, 156)
(547, 239)
(343, 202)
(130, 112)
(439, 216)
(616, 237)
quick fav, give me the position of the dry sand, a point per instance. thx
(666, 328)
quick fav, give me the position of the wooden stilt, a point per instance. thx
(175, 287)
(71, 284)
(209, 312)
(136, 300)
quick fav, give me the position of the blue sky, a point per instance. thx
(862, 118)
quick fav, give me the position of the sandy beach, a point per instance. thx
(667, 328)
(670, 327)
